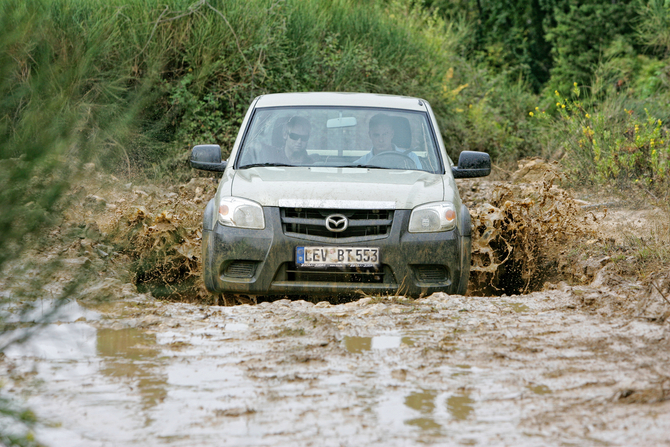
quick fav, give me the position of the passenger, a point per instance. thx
(381, 133)
(295, 135)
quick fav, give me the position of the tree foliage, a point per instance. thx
(544, 41)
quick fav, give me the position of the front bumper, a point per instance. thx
(262, 262)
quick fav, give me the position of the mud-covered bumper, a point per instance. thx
(262, 262)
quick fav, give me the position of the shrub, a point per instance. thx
(610, 144)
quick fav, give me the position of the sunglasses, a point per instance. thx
(297, 136)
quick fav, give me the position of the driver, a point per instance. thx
(381, 133)
(295, 135)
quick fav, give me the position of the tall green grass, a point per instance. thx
(62, 102)
(206, 60)
(57, 108)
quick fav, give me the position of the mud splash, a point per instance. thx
(523, 233)
(526, 233)
(154, 231)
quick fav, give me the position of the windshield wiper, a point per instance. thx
(351, 166)
(255, 165)
(364, 166)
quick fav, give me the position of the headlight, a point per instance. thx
(241, 213)
(432, 218)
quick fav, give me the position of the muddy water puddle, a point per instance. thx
(437, 371)
(378, 342)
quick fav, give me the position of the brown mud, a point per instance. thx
(557, 343)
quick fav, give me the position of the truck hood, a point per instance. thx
(323, 187)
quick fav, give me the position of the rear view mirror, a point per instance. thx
(347, 121)
(472, 164)
(207, 157)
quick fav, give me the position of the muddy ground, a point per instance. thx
(570, 351)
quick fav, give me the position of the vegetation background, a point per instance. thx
(133, 84)
(497, 72)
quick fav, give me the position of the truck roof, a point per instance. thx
(342, 99)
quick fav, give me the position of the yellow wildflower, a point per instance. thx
(530, 113)
(537, 109)
(574, 84)
(563, 106)
(588, 116)
(557, 94)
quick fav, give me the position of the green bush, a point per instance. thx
(216, 56)
(583, 30)
(609, 144)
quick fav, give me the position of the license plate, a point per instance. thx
(357, 257)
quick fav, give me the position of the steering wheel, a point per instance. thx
(392, 159)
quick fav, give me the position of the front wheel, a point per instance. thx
(466, 251)
(208, 269)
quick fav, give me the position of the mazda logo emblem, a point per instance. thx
(337, 223)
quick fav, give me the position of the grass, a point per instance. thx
(204, 61)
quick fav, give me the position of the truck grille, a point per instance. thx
(311, 222)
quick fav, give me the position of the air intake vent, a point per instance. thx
(431, 273)
(240, 269)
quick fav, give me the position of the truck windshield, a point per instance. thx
(340, 137)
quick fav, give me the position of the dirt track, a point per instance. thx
(445, 370)
(581, 364)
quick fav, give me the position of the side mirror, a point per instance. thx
(472, 164)
(207, 157)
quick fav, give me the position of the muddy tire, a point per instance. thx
(208, 275)
(466, 251)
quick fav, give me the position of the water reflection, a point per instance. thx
(424, 423)
(357, 345)
(539, 389)
(518, 307)
(23, 335)
(49, 311)
(460, 405)
(132, 355)
(407, 341)
(424, 402)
